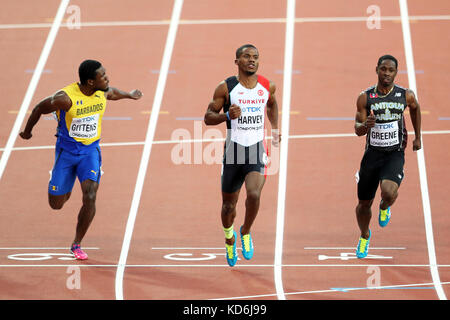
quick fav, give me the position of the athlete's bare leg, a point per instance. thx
(228, 213)
(389, 193)
(57, 202)
(363, 216)
(87, 211)
(254, 182)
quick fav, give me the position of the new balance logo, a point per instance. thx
(398, 94)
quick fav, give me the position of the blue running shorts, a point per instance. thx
(68, 166)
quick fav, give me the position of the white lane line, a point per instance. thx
(420, 155)
(351, 248)
(401, 286)
(46, 248)
(33, 84)
(226, 266)
(291, 137)
(287, 83)
(164, 70)
(12, 26)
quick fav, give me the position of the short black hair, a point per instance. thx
(387, 57)
(88, 70)
(241, 49)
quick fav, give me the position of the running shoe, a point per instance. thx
(363, 246)
(78, 253)
(384, 216)
(231, 252)
(247, 245)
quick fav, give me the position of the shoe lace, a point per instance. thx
(230, 251)
(384, 214)
(362, 245)
(246, 238)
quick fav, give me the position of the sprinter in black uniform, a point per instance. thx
(245, 99)
(379, 116)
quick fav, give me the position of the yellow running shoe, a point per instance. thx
(247, 245)
(231, 252)
(384, 216)
(363, 246)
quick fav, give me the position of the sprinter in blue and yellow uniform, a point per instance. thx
(79, 108)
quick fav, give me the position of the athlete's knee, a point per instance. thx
(89, 197)
(57, 202)
(228, 207)
(56, 205)
(253, 196)
(364, 205)
(89, 189)
(389, 196)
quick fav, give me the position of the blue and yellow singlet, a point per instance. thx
(80, 127)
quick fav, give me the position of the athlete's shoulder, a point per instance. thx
(400, 87)
(369, 89)
(264, 82)
(406, 92)
(71, 88)
(61, 100)
(231, 82)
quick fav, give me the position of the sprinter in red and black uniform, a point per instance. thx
(379, 116)
(245, 99)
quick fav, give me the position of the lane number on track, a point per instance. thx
(40, 256)
(190, 256)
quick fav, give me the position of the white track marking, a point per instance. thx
(291, 137)
(33, 84)
(287, 83)
(351, 248)
(420, 155)
(148, 145)
(47, 248)
(405, 286)
(226, 266)
(13, 26)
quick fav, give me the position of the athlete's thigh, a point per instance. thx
(254, 181)
(89, 166)
(392, 169)
(63, 173)
(232, 178)
(368, 176)
(389, 187)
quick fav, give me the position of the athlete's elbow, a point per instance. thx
(207, 119)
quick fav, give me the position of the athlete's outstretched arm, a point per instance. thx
(213, 115)
(59, 101)
(117, 94)
(416, 118)
(272, 114)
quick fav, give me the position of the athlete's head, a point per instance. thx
(93, 74)
(387, 70)
(247, 59)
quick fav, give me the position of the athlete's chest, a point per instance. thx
(387, 108)
(83, 106)
(251, 101)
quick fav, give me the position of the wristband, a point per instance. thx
(228, 116)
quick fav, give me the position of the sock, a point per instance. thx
(229, 232)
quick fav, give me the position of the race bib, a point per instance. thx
(384, 134)
(85, 128)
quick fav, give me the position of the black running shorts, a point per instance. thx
(377, 166)
(238, 161)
